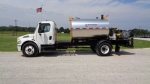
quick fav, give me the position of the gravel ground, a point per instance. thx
(84, 67)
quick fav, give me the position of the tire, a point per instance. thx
(29, 49)
(103, 49)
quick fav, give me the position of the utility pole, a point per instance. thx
(41, 12)
(16, 26)
(139, 31)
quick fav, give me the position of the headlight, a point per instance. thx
(19, 42)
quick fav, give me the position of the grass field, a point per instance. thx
(8, 42)
(10, 33)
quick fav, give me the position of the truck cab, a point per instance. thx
(44, 36)
(45, 33)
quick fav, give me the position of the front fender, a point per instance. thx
(35, 42)
(104, 41)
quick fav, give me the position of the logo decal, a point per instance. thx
(90, 25)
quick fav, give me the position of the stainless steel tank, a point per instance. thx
(81, 28)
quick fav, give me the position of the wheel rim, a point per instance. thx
(104, 49)
(29, 50)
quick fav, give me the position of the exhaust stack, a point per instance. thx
(102, 17)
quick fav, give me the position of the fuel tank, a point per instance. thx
(83, 28)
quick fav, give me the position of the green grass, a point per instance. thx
(141, 44)
(61, 36)
(10, 33)
(8, 42)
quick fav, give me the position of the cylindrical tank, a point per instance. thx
(82, 28)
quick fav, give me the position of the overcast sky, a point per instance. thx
(124, 14)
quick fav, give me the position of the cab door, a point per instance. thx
(45, 34)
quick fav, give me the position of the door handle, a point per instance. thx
(39, 34)
(50, 37)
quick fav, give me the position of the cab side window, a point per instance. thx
(44, 27)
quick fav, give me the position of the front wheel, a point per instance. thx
(103, 49)
(30, 49)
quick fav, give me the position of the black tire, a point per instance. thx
(103, 49)
(29, 49)
(93, 48)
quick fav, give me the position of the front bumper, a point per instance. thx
(19, 47)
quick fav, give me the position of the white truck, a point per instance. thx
(93, 32)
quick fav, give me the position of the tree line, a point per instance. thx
(137, 32)
(62, 30)
(141, 32)
(17, 28)
(29, 29)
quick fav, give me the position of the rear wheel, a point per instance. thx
(30, 49)
(103, 49)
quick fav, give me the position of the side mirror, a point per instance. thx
(40, 30)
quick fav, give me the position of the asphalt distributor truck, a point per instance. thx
(95, 33)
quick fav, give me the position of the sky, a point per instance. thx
(123, 14)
